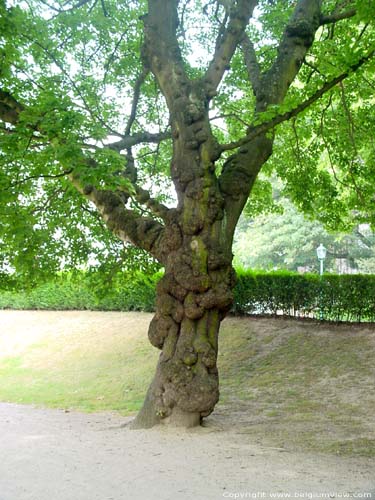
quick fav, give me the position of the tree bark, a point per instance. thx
(193, 296)
(196, 291)
(192, 299)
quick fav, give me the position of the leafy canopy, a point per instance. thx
(76, 95)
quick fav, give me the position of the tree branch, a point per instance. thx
(251, 62)
(264, 127)
(364, 239)
(230, 115)
(339, 16)
(60, 11)
(52, 7)
(111, 57)
(161, 51)
(141, 195)
(227, 43)
(10, 109)
(297, 39)
(141, 137)
(40, 176)
(137, 92)
(157, 208)
(93, 114)
(144, 232)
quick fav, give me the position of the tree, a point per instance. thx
(103, 100)
(288, 240)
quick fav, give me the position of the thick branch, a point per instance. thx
(161, 50)
(134, 192)
(141, 195)
(227, 44)
(264, 127)
(251, 62)
(144, 232)
(297, 39)
(157, 208)
(10, 110)
(339, 16)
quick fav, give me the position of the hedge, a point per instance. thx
(93, 291)
(337, 297)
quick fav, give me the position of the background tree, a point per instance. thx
(287, 239)
(100, 100)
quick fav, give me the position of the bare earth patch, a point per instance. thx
(50, 454)
(296, 414)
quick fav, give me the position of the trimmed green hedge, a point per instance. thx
(338, 297)
(349, 297)
(278, 292)
(121, 292)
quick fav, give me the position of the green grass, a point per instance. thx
(353, 447)
(89, 367)
(288, 384)
(301, 385)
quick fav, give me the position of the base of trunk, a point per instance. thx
(148, 416)
(185, 328)
(193, 400)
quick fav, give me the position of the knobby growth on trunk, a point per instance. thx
(193, 241)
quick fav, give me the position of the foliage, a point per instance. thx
(56, 66)
(348, 297)
(288, 240)
(77, 94)
(340, 297)
(124, 292)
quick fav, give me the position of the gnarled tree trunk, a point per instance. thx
(192, 299)
(195, 293)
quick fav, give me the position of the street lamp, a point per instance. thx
(321, 252)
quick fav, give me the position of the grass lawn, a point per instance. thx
(284, 383)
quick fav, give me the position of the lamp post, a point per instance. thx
(321, 252)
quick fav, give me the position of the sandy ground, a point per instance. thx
(57, 455)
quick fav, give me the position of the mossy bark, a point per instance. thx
(192, 298)
(196, 250)
(190, 307)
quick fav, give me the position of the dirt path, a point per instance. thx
(53, 455)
